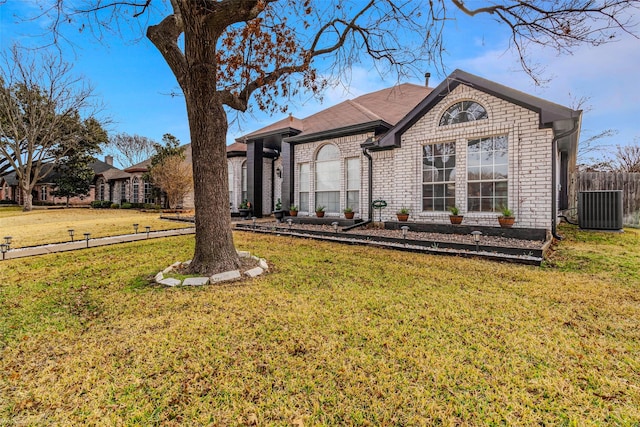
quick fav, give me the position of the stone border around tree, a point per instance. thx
(227, 276)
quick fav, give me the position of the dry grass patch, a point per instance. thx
(335, 335)
(45, 226)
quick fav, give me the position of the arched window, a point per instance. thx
(230, 182)
(136, 190)
(463, 111)
(328, 178)
(244, 180)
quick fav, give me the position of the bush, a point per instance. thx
(105, 204)
(115, 206)
(8, 202)
(126, 205)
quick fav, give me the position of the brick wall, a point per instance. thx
(398, 173)
(349, 147)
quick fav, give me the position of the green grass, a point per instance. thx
(333, 335)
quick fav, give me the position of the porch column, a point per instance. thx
(254, 175)
(288, 172)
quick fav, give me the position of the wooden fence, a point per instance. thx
(629, 183)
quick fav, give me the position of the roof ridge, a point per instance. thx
(364, 109)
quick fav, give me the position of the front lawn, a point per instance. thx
(333, 335)
(42, 226)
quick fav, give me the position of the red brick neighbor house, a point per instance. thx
(108, 179)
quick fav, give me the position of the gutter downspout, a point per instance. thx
(554, 178)
(370, 184)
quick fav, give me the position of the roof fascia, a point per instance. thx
(343, 131)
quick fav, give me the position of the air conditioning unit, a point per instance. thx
(600, 210)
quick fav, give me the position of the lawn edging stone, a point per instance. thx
(226, 276)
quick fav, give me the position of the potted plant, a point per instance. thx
(278, 213)
(506, 219)
(320, 211)
(348, 213)
(455, 216)
(245, 209)
(403, 214)
(293, 210)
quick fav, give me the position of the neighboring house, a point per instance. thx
(141, 191)
(109, 184)
(469, 142)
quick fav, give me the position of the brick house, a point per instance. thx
(108, 184)
(141, 191)
(469, 142)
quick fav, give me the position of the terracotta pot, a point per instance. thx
(506, 221)
(402, 217)
(456, 219)
(320, 214)
(293, 213)
(349, 215)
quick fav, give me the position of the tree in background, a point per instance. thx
(170, 172)
(627, 158)
(129, 150)
(40, 122)
(225, 53)
(74, 176)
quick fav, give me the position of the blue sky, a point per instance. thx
(134, 82)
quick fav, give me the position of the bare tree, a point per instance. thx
(627, 157)
(40, 107)
(129, 150)
(173, 176)
(225, 53)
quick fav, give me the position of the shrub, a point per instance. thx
(126, 205)
(115, 206)
(105, 204)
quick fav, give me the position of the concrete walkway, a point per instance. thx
(92, 243)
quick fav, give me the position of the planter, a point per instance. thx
(245, 213)
(319, 214)
(456, 219)
(349, 215)
(506, 221)
(293, 213)
(279, 215)
(402, 217)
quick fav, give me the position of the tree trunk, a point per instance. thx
(27, 198)
(215, 251)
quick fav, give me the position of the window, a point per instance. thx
(464, 111)
(123, 191)
(438, 176)
(328, 178)
(43, 193)
(230, 182)
(244, 181)
(148, 197)
(303, 193)
(487, 173)
(136, 190)
(101, 190)
(353, 184)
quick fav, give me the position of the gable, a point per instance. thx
(548, 113)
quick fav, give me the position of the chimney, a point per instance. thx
(108, 160)
(426, 79)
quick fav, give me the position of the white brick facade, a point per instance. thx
(397, 173)
(349, 147)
